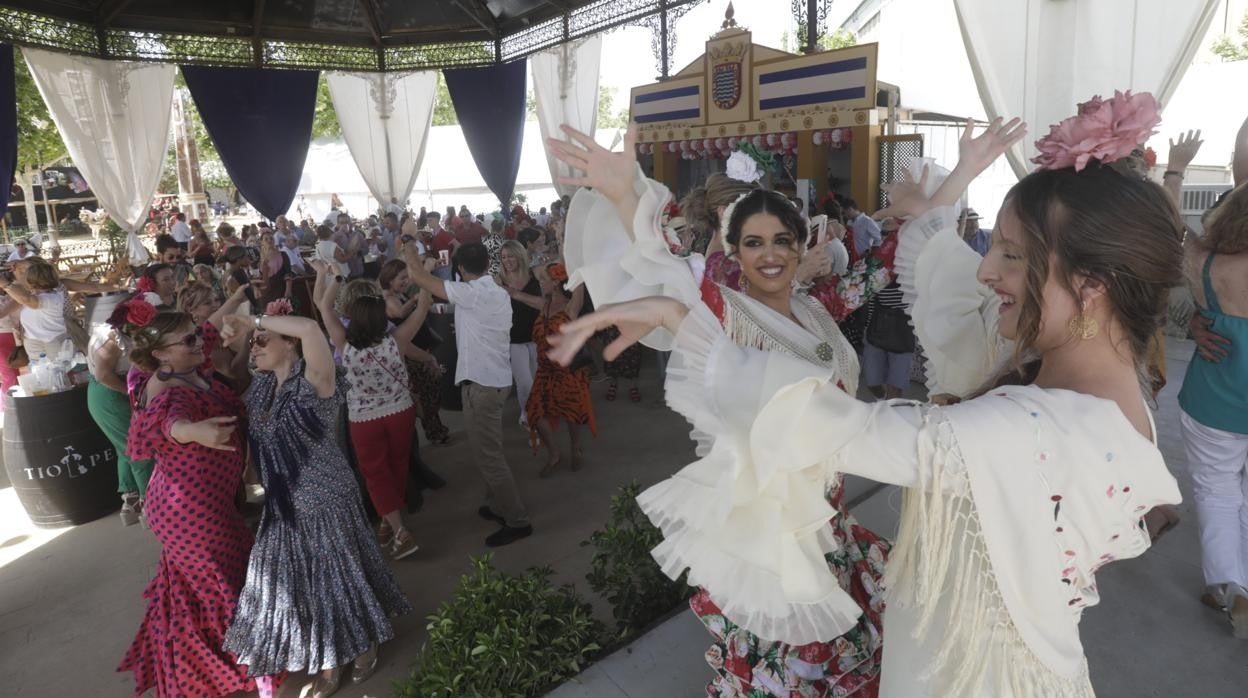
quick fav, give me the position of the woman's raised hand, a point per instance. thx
(1184, 151)
(977, 153)
(906, 197)
(609, 172)
(235, 326)
(634, 319)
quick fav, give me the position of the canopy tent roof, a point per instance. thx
(320, 34)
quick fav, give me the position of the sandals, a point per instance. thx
(634, 394)
(612, 390)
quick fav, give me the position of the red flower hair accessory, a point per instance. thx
(1104, 129)
(558, 273)
(146, 284)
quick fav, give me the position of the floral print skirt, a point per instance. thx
(752, 667)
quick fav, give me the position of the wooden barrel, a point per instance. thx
(60, 464)
(97, 307)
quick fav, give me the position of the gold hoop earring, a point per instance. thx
(1083, 327)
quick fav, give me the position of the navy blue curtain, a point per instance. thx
(260, 120)
(490, 105)
(8, 125)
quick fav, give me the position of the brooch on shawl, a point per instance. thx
(823, 350)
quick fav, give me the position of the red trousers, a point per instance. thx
(382, 447)
(8, 376)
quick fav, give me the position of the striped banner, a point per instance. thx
(675, 104)
(813, 84)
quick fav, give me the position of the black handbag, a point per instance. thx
(583, 359)
(889, 329)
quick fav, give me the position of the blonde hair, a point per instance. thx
(516, 248)
(1226, 227)
(41, 276)
(701, 206)
(192, 296)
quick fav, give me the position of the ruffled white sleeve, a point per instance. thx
(749, 519)
(617, 265)
(954, 316)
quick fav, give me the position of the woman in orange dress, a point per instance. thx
(559, 394)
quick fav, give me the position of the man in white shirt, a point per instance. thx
(542, 219)
(483, 372)
(180, 231)
(866, 231)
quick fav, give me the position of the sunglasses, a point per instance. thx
(191, 340)
(260, 340)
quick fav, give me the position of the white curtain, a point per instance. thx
(1038, 58)
(385, 120)
(565, 84)
(114, 117)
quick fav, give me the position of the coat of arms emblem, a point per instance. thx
(726, 74)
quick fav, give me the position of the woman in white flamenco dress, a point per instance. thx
(1014, 497)
(619, 262)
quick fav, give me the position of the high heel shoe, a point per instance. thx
(364, 666)
(325, 687)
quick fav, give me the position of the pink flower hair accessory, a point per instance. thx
(281, 306)
(1103, 129)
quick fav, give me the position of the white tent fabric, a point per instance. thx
(114, 117)
(565, 85)
(1038, 60)
(385, 120)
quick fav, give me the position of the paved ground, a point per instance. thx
(70, 599)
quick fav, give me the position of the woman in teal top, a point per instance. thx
(1214, 400)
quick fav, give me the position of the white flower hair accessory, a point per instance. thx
(743, 168)
(723, 220)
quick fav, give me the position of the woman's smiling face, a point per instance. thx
(768, 253)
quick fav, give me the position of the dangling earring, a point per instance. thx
(744, 284)
(1083, 327)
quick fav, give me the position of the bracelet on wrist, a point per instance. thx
(257, 321)
(1172, 173)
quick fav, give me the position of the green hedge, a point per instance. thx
(515, 636)
(504, 635)
(623, 571)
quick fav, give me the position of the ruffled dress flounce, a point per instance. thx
(319, 591)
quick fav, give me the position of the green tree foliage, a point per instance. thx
(38, 141)
(608, 115)
(841, 38)
(1228, 49)
(325, 122)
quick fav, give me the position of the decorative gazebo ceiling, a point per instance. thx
(345, 34)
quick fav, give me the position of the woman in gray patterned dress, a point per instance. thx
(318, 594)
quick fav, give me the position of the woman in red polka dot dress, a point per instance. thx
(186, 421)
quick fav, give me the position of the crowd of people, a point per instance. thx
(301, 357)
(296, 360)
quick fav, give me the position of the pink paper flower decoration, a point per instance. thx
(1106, 130)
